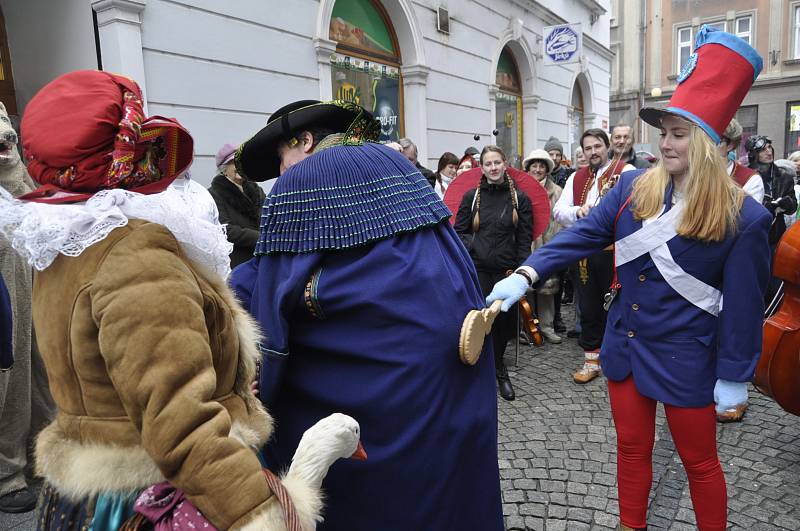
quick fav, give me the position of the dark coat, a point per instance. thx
(6, 328)
(241, 212)
(498, 245)
(778, 192)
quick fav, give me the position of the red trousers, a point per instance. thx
(694, 431)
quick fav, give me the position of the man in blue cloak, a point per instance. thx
(361, 286)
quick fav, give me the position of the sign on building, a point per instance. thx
(562, 44)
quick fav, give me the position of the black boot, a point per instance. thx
(558, 325)
(504, 382)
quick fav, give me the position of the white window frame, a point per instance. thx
(795, 24)
(746, 35)
(679, 45)
(718, 21)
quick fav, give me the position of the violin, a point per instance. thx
(528, 320)
(778, 371)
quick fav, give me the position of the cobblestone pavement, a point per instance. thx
(558, 458)
(558, 455)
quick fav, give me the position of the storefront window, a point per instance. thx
(6, 79)
(792, 127)
(508, 109)
(366, 66)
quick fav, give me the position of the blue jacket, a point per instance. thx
(675, 350)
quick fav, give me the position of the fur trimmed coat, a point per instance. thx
(150, 361)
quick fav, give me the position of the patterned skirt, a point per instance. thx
(56, 512)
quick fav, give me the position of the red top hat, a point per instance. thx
(86, 131)
(712, 83)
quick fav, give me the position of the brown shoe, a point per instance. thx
(622, 527)
(587, 373)
(732, 415)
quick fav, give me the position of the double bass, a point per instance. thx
(778, 371)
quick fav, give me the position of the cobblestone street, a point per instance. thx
(558, 458)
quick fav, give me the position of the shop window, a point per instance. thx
(747, 117)
(684, 47)
(366, 66)
(792, 127)
(508, 108)
(718, 25)
(6, 79)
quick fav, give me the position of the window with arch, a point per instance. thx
(508, 108)
(366, 66)
(576, 125)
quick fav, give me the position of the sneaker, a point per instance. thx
(550, 336)
(18, 501)
(587, 373)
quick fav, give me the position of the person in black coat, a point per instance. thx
(239, 202)
(495, 223)
(779, 196)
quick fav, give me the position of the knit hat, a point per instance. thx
(553, 143)
(734, 131)
(86, 131)
(472, 151)
(539, 154)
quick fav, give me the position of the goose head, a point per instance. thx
(334, 437)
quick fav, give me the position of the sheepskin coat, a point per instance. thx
(150, 360)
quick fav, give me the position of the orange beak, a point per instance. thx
(360, 454)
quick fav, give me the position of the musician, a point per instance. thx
(692, 264)
(582, 192)
(495, 221)
(747, 178)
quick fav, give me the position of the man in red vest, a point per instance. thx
(747, 178)
(583, 190)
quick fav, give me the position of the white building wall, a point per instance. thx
(47, 39)
(221, 68)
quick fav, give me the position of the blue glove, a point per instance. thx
(728, 395)
(509, 290)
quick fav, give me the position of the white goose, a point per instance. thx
(334, 437)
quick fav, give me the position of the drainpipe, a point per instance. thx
(642, 47)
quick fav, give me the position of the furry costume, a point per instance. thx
(25, 403)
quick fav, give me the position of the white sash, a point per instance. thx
(652, 238)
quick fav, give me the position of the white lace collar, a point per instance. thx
(40, 232)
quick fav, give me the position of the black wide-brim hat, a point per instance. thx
(257, 159)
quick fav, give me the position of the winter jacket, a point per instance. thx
(778, 192)
(240, 210)
(150, 361)
(561, 174)
(497, 245)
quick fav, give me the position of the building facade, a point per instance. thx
(221, 68)
(652, 39)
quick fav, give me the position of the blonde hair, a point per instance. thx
(712, 198)
(795, 156)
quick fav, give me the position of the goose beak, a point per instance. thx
(360, 454)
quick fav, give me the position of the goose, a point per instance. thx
(330, 439)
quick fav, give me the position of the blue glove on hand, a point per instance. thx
(509, 290)
(728, 394)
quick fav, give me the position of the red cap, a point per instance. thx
(85, 131)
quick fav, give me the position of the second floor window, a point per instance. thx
(684, 48)
(796, 28)
(744, 30)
